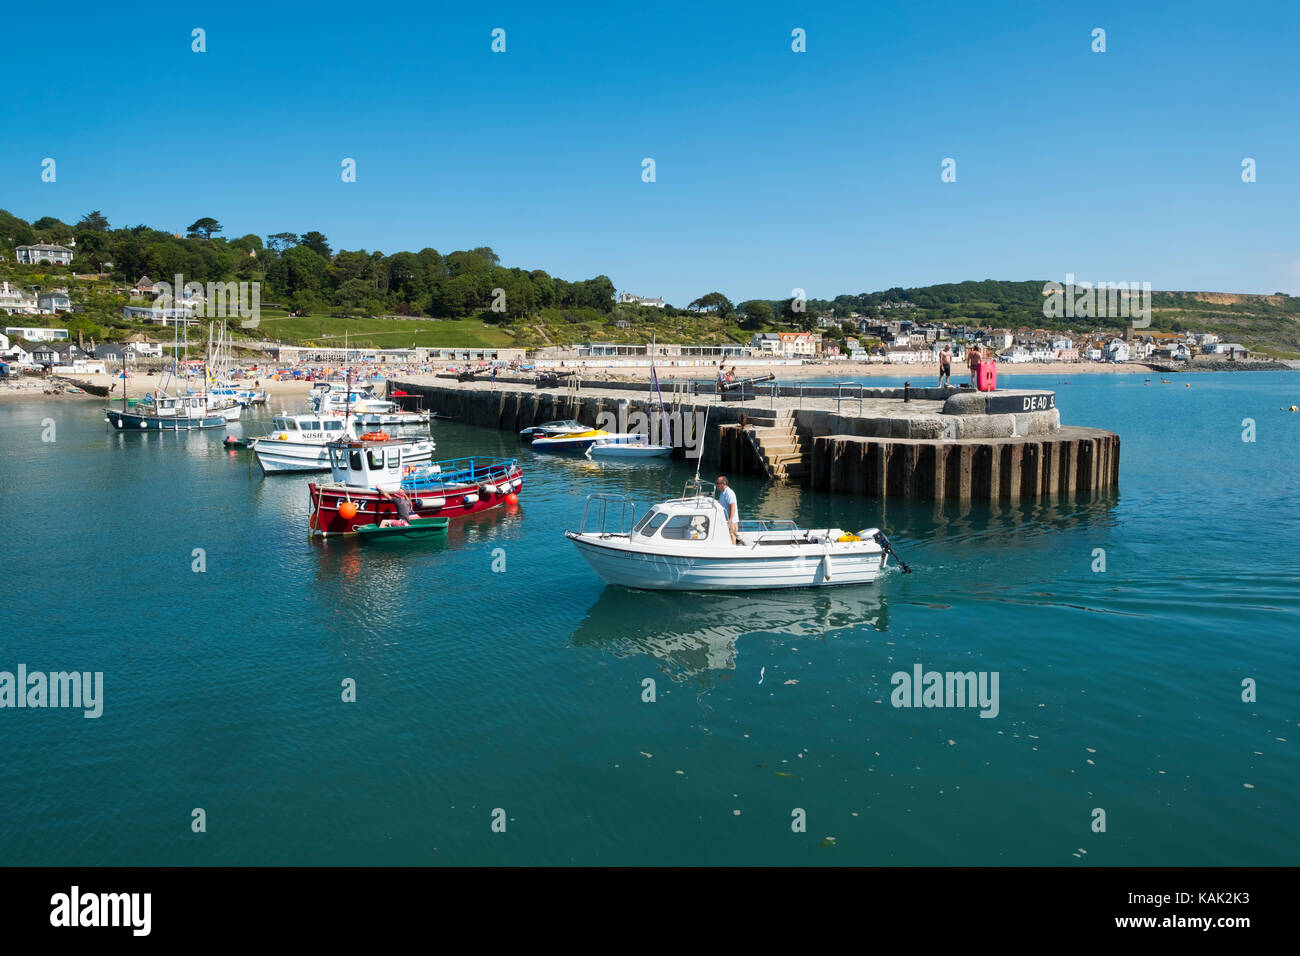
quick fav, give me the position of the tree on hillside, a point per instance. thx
(317, 243)
(714, 301)
(757, 314)
(203, 228)
(15, 231)
(93, 221)
(49, 229)
(281, 242)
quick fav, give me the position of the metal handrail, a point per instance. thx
(603, 500)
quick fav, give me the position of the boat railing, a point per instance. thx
(458, 471)
(696, 488)
(599, 510)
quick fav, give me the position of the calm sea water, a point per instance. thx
(522, 689)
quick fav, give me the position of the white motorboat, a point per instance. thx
(683, 544)
(361, 402)
(300, 443)
(627, 446)
(554, 429)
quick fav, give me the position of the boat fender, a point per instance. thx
(515, 483)
(826, 567)
(433, 503)
(471, 498)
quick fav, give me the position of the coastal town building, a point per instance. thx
(628, 298)
(17, 301)
(56, 300)
(44, 252)
(35, 334)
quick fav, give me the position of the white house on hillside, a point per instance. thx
(43, 252)
(627, 298)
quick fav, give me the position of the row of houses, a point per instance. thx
(21, 352)
(904, 339)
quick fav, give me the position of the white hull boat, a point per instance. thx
(635, 446)
(683, 545)
(300, 443)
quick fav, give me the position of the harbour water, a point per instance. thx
(496, 671)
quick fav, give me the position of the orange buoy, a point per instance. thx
(348, 510)
(512, 498)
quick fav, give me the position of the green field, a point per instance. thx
(324, 330)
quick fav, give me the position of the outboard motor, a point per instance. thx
(886, 547)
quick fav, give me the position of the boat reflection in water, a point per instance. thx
(694, 634)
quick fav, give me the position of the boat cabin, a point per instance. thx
(684, 519)
(309, 428)
(373, 464)
(182, 406)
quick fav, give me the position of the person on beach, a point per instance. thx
(945, 366)
(974, 355)
(727, 498)
(721, 373)
(403, 504)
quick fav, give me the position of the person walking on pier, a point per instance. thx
(727, 498)
(945, 366)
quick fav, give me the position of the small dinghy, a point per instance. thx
(417, 529)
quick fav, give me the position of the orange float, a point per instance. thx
(348, 510)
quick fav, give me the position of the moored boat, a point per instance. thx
(413, 530)
(578, 441)
(683, 544)
(365, 474)
(299, 443)
(165, 413)
(627, 446)
(567, 426)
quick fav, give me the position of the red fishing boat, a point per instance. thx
(364, 469)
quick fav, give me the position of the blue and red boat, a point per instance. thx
(366, 472)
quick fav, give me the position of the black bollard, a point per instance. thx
(907, 391)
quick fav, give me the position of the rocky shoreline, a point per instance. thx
(1267, 365)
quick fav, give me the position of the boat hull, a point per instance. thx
(715, 571)
(135, 421)
(449, 501)
(631, 451)
(418, 530)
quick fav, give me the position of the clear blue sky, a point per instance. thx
(775, 170)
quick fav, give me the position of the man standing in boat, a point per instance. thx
(727, 497)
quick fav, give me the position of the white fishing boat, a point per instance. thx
(300, 443)
(683, 544)
(627, 446)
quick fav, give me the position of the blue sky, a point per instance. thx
(775, 170)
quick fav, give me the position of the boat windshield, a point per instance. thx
(650, 523)
(686, 528)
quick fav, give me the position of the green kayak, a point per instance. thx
(418, 528)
